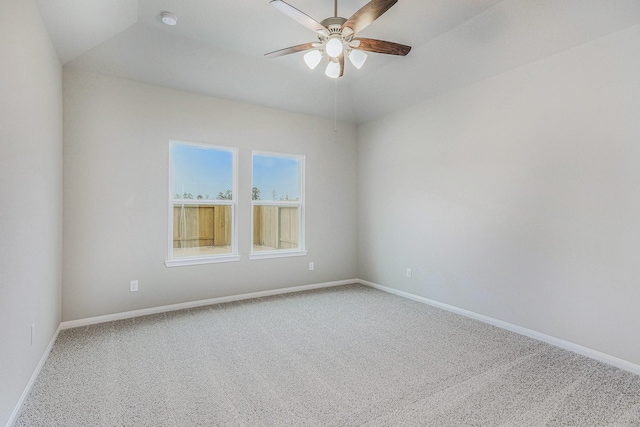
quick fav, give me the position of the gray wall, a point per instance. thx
(518, 197)
(116, 145)
(30, 196)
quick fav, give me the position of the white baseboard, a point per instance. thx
(32, 380)
(584, 351)
(200, 303)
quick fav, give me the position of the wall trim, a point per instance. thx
(192, 304)
(32, 380)
(567, 345)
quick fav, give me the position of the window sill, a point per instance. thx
(182, 262)
(276, 254)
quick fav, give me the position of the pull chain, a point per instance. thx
(335, 108)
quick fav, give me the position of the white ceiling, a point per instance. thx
(217, 47)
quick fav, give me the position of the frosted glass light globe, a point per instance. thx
(334, 47)
(312, 59)
(357, 58)
(333, 70)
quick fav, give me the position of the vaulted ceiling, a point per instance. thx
(217, 47)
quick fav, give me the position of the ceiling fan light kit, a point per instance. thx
(336, 37)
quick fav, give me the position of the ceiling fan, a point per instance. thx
(336, 37)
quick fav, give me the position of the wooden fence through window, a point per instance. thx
(275, 227)
(197, 226)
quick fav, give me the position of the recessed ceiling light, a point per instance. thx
(169, 18)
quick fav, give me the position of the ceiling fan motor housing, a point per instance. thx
(333, 24)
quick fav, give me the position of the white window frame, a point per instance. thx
(206, 259)
(300, 204)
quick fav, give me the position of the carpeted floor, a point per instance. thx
(343, 356)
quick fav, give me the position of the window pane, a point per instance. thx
(201, 173)
(275, 178)
(275, 227)
(201, 230)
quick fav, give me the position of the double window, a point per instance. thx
(203, 205)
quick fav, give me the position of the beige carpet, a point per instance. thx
(342, 356)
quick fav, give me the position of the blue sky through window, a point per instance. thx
(200, 171)
(276, 177)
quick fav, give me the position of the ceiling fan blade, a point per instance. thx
(299, 16)
(341, 59)
(292, 49)
(366, 15)
(380, 46)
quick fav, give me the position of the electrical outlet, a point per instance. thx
(133, 286)
(408, 272)
(33, 332)
(311, 266)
